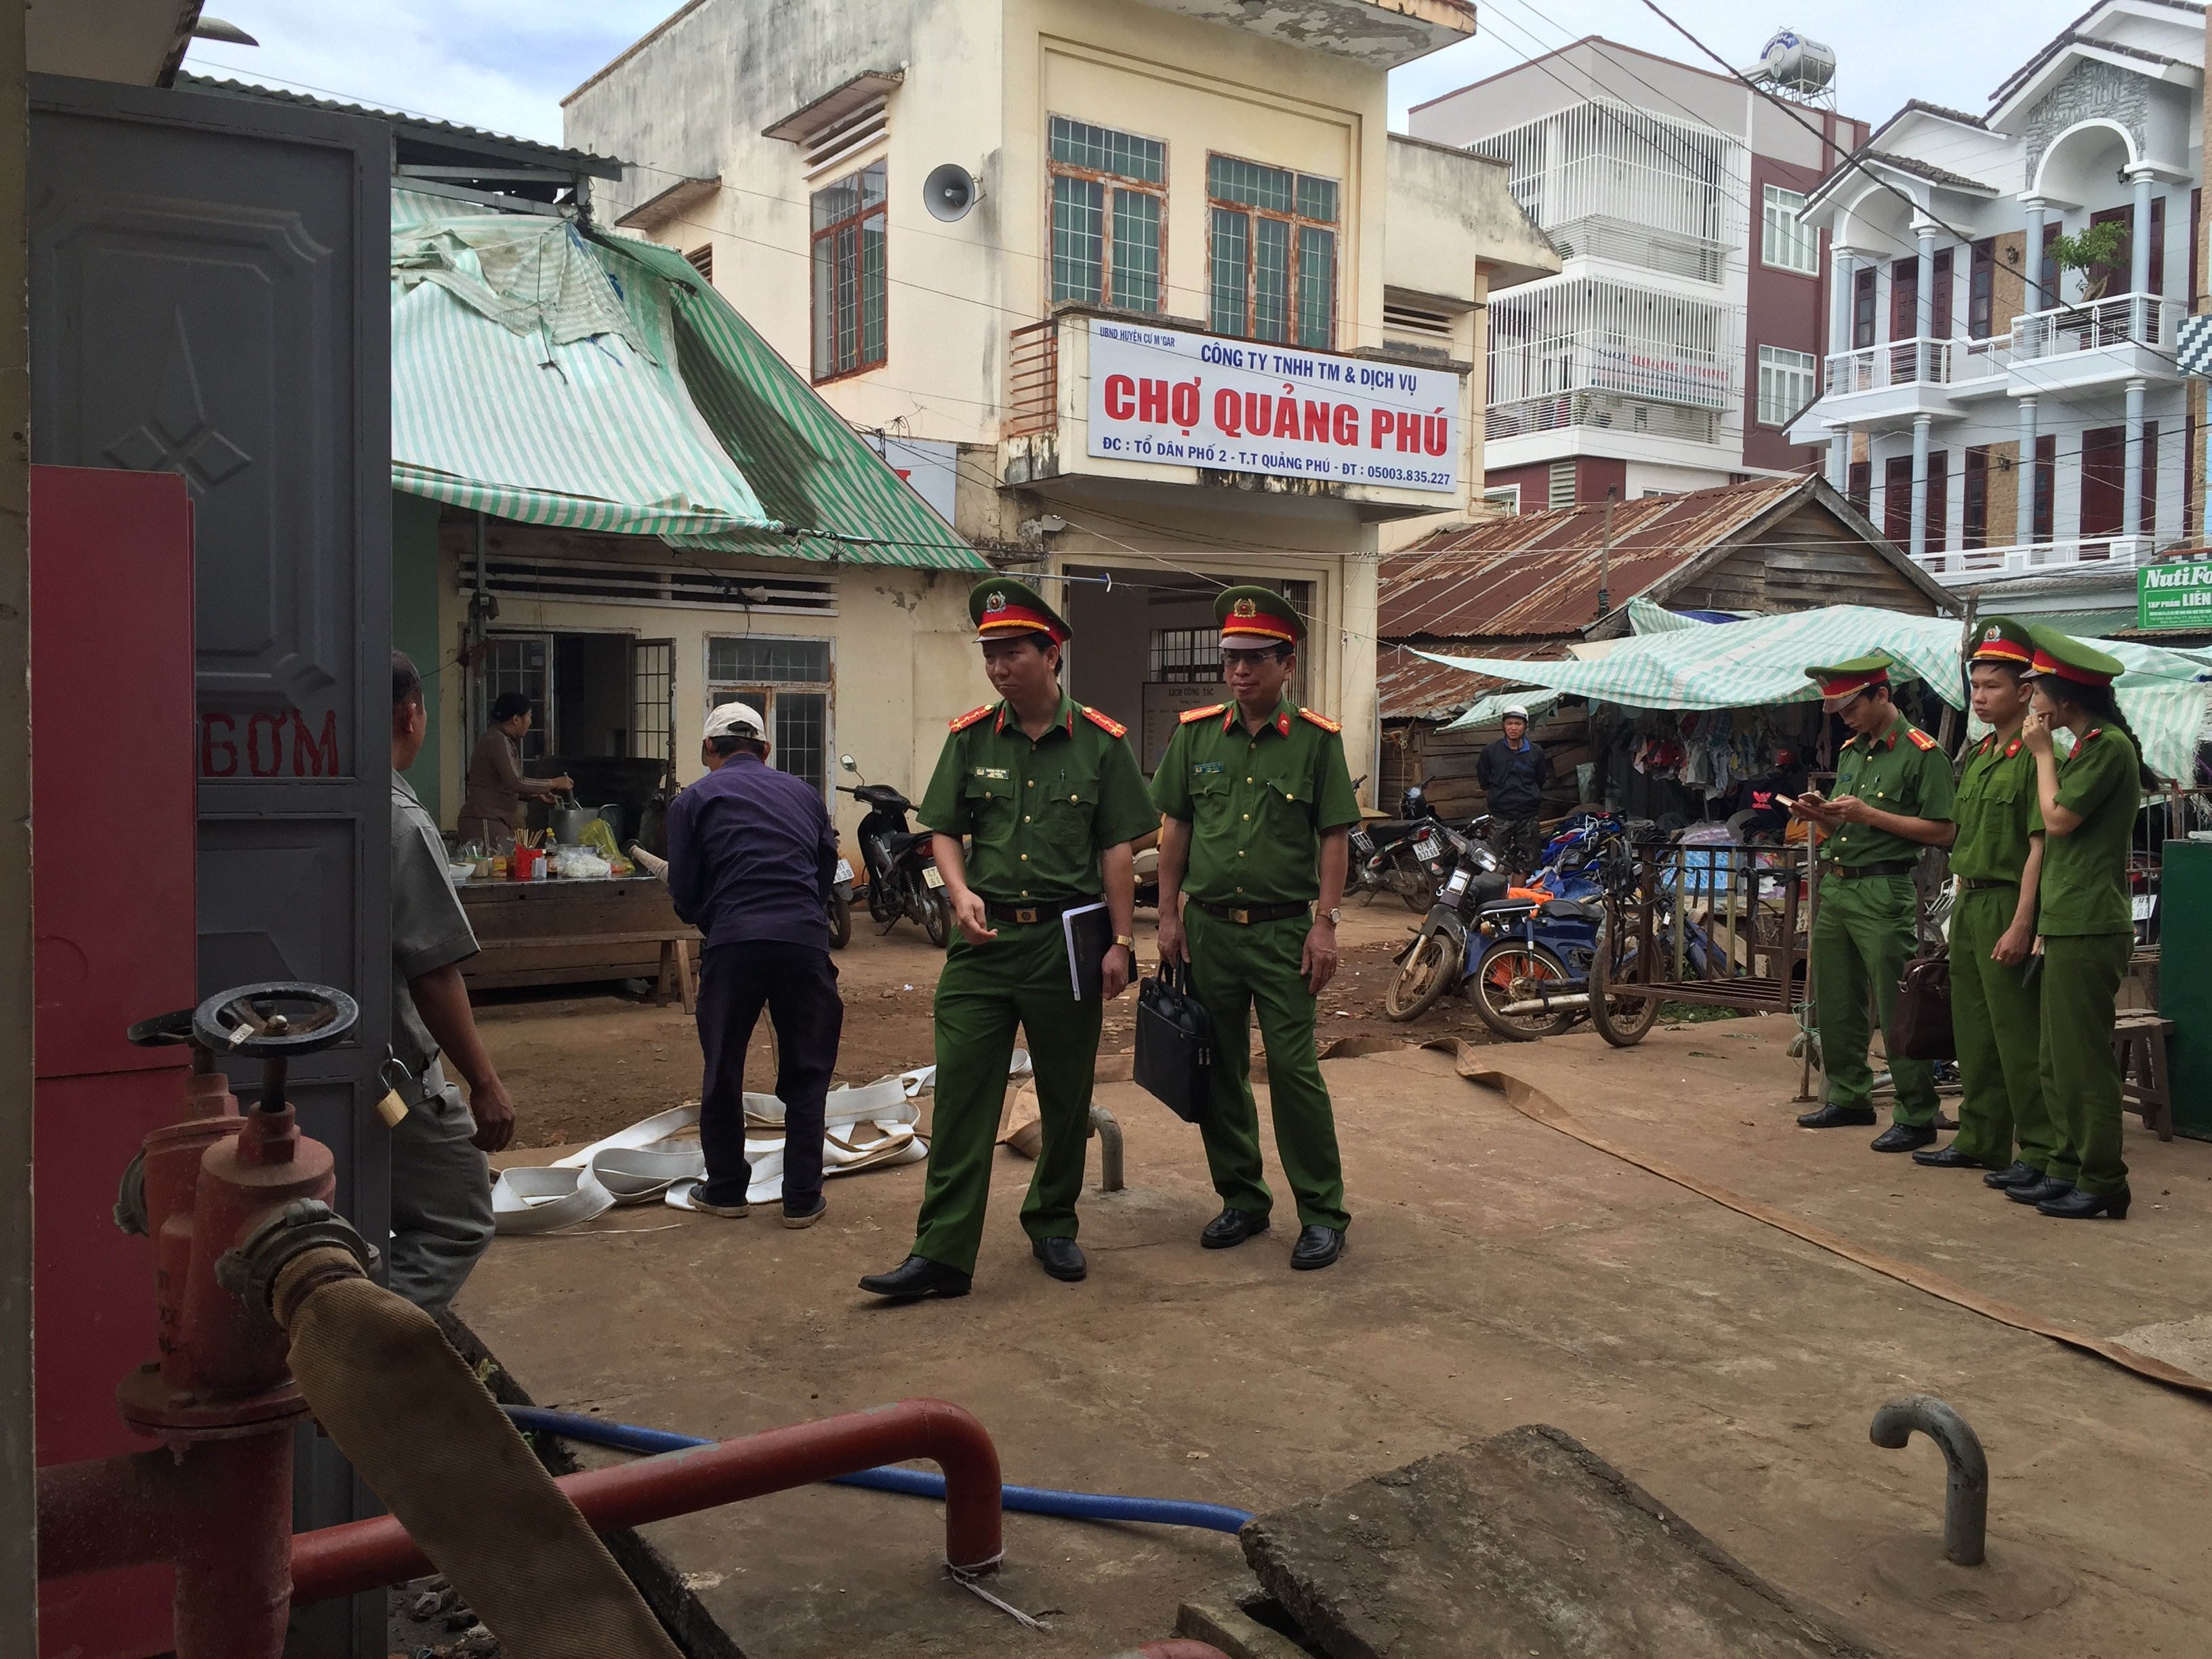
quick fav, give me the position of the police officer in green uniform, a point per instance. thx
(1892, 800)
(1995, 864)
(1050, 797)
(1256, 805)
(2086, 805)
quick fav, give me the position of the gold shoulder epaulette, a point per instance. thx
(1190, 714)
(1106, 723)
(1920, 738)
(1322, 721)
(971, 717)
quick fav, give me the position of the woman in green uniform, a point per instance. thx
(2086, 805)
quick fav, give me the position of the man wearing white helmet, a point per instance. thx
(1513, 771)
(751, 854)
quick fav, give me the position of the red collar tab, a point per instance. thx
(2011, 749)
(1282, 723)
(1230, 713)
(2090, 733)
(999, 724)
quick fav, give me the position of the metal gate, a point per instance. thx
(208, 297)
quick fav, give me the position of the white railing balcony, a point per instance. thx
(2143, 320)
(1893, 362)
(1958, 569)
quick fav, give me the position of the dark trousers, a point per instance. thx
(797, 986)
(1519, 842)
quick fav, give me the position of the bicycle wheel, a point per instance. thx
(1425, 976)
(1516, 972)
(1623, 1021)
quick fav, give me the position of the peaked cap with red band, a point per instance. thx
(1002, 607)
(2064, 657)
(2001, 640)
(1841, 681)
(1255, 618)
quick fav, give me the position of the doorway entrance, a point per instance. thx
(601, 711)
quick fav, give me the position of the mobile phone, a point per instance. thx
(1785, 800)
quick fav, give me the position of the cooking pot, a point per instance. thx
(569, 824)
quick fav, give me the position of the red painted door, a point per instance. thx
(113, 804)
(2103, 473)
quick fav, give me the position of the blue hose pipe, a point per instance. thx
(915, 1483)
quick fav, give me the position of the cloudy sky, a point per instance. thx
(505, 64)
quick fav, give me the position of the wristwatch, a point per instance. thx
(1330, 914)
(1127, 941)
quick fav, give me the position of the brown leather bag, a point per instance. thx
(1923, 1019)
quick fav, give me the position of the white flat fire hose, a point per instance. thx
(869, 1128)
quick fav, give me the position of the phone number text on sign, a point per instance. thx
(1196, 400)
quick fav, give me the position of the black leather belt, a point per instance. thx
(1244, 915)
(1885, 867)
(1036, 910)
(1975, 884)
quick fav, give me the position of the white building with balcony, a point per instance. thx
(1187, 315)
(1998, 416)
(1687, 326)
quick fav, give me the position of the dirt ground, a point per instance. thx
(581, 1062)
(1498, 1272)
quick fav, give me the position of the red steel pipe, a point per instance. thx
(362, 1555)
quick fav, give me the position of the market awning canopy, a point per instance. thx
(1742, 665)
(558, 378)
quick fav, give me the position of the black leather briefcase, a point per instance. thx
(1175, 1043)
(1923, 1017)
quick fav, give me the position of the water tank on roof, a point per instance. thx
(1794, 62)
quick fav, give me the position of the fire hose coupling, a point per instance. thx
(249, 1269)
(130, 1197)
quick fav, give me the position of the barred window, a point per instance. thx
(788, 681)
(849, 279)
(1785, 384)
(1271, 257)
(1786, 240)
(1109, 198)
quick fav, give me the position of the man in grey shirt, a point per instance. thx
(441, 1218)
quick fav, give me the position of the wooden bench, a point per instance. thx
(575, 933)
(2139, 1038)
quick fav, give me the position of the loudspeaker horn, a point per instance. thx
(950, 191)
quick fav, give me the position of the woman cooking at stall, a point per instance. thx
(491, 812)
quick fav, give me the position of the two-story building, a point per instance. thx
(1686, 329)
(1997, 415)
(1147, 286)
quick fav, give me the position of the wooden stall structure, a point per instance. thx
(576, 932)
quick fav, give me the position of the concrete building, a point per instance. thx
(1147, 289)
(1687, 326)
(1997, 415)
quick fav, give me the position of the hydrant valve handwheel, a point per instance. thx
(278, 1020)
(160, 1031)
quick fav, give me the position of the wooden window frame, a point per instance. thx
(1865, 307)
(857, 222)
(1974, 501)
(1982, 290)
(1940, 307)
(1109, 183)
(1297, 223)
(2043, 496)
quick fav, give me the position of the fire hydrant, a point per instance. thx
(228, 1199)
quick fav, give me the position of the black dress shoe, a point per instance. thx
(2078, 1206)
(2013, 1174)
(918, 1276)
(1318, 1247)
(2041, 1191)
(1946, 1158)
(1062, 1258)
(1903, 1137)
(1232, 1227)
(1837, 1117)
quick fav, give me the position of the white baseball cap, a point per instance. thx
(733, 720)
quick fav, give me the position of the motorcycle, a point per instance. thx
(903, 877)
(1429, 965)
(1410, 855)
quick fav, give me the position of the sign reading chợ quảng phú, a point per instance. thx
(2175, 596)
(1163, 395)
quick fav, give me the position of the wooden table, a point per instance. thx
(569, 932)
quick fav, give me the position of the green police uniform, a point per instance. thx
(1865, 931)
(1038, 813)
(1258, 803)
(2088, 934)
(1995, 1010)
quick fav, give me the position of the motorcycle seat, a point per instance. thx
(898, 844)
(1572, 910)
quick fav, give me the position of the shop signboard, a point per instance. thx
(2175, 596)
(1165, 395)
(1638, 370)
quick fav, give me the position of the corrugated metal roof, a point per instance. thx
(1408, 687)
(1536, 574)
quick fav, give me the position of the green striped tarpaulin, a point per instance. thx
(674, 420)
(1742, 665)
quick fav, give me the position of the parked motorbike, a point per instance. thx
(903, 877)
(840, 906)
(1430, 964)
(1410, 855)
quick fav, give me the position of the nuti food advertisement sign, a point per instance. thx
(2175, 596)
(1162, 395)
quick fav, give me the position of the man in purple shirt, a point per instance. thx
(751, 854)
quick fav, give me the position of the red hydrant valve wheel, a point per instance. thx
(277, 1020)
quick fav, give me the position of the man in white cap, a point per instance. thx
(1513, 771)
(751, 854)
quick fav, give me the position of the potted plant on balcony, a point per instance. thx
(2096, 254)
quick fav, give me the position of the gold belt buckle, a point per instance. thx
(1024, 914)
(1242, 918)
